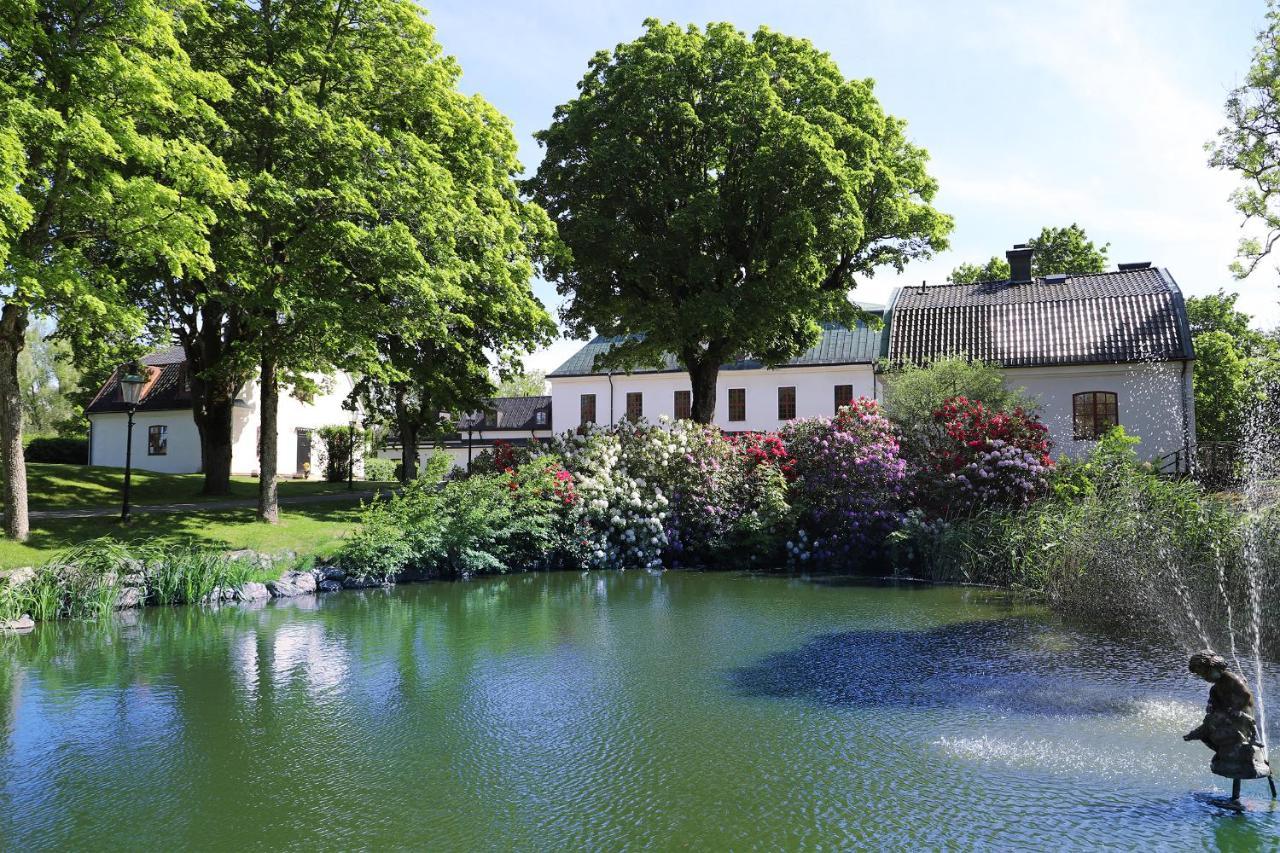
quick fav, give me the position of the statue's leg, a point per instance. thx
(1235, 790)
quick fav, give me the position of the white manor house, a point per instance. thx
(1093, 350)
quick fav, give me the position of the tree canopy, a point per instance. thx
(94, 177)
(1057, 250)
(719, 194)
(1234, 368)
(1249, 145)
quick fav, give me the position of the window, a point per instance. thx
(786, 402)
(540, 418)
(635, 405)
(684, 405)
(737, 404)
(1093, 414)
(844, 397)
(157, 441)
(587, 409)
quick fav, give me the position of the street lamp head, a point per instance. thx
(131, 388)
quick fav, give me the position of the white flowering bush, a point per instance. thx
(619, 515)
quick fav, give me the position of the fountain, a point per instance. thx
(1234, 725)
(1229, 727)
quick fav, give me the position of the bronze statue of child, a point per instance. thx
(1229, 728)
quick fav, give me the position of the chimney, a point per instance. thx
(1020, 263)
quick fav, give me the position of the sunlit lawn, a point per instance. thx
(53, 486)
(315, 529)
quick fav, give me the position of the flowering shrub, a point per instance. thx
(617, 516)
(989, 458)
(678, 494)
(849, 482)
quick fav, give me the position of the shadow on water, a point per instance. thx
(1013, 666)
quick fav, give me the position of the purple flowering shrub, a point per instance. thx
(848, 483)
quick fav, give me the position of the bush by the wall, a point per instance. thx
(66, 451)
(379, 470)
(339, 446)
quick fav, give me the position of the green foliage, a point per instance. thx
(48, 377)
(912, 393)
(718, 194)
(379, 470)
(1057, 250)
(340, 445)
(488, 523)
(1249, 145)
(66, 451)
(1235, 365)
(527, 383)
(1221, 380)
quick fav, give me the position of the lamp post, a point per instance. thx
(471, 425)
(131, 392)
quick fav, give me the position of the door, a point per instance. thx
(304, 452)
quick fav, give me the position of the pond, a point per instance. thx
(606, 711)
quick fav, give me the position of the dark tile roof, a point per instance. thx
(1115, 317)
(516, 413)
(838, 345)
(168, 386)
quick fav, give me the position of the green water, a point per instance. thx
(606, 711)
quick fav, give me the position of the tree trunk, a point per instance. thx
(703, 375)
(13, 327)
(213, 393)
(213, 416)
(268, 442)
(408, 439)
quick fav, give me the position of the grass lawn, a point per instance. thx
(52, 486)
(314, 529)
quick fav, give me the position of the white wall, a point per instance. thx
(1149, 399)
(183, 455)
(107, 440)
(815, 394)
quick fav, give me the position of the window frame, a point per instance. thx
(682, 400)
(636, 397)
(738, 406)
(586, 401)
(1096, 413)
(784, 404)
(161, 430)
(837, 405)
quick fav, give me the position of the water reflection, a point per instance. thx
(1013, 666)
(602, 711)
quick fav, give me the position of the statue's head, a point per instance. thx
(1207, 664)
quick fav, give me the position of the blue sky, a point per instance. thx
(1034, 114)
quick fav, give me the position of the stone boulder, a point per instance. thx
(130, 597)
(329, 586)
(253, 591)
(292, 583)
(22, 625)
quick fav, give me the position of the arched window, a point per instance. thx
(1094, 413)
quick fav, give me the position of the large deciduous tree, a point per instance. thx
(719, 194)
(373, 190)
(1057, 250)
(1249, 145)
(94, 176)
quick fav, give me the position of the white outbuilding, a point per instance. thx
(165, 437)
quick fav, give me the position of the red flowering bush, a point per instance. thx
(984, 457)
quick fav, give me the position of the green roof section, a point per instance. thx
(838, 345)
